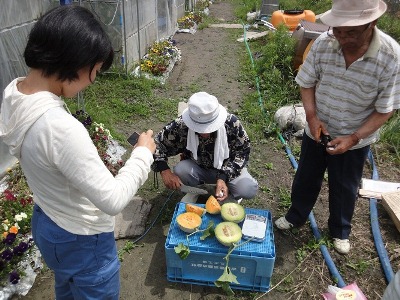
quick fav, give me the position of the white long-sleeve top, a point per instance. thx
(68, 179)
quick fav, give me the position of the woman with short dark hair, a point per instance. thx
(76, 197)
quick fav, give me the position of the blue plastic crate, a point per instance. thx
(252, 263)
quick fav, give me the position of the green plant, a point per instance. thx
(308, 248)
(202, 4)
(275, 68)
(227, 276)
(269, 166)
(360, 266)
(284, 198)
(128, 246)
(242, 7)
(317, 6)
(390, 135)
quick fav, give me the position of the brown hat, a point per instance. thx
(353, 12)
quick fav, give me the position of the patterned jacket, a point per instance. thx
(171, 141)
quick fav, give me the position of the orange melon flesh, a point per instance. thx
(195, 209)
(188, 221)
(212, 205)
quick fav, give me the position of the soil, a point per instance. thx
(211, 62)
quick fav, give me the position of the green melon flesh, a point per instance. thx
(228, 233)
(232, 212)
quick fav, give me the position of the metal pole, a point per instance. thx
(138, 35)
(81, 100)
(156, 14)
(124, 57)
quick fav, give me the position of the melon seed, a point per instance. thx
(232, 211)
(227, 231)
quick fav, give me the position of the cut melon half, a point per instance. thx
(233, 212)
(228, 233)
(212, 205)
(195, 209)
(188, 221)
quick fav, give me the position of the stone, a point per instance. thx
(131, 221)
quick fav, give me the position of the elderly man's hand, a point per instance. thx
(221, 190)
(171, 180)
(341, 144)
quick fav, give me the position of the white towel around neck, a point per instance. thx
(221, 149)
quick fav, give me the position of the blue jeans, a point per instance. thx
(85, 266)
(344, 176)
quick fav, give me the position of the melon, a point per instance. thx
(232, 212)
(188, 221)
(228, 233)
(212, 206)
(195, 209)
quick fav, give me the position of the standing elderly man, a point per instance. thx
(350, 86)
(214, 149)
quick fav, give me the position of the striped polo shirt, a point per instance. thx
(345, 98)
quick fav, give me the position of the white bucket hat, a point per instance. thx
(353, 12)
(204, 114)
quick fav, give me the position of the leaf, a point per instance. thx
(225, 280)
(208, 232)
(228, 276)
(182, 250)
(225, 286)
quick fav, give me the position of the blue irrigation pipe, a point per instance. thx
(382, 253)
(329, 262)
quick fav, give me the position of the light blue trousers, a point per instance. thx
(190, 173)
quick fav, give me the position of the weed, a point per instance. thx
(284, 198)
(129, 245)
(390, 135)
(360, 266)
(269, 166)
(265, 189)
(312, 245)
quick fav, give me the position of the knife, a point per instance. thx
(193, 190)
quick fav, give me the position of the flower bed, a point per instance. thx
(190, 21)
(18, 255)
(159, 61)
(109, 150)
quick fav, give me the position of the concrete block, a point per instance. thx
(131, 221)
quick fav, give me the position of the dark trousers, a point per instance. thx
(344, 176)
